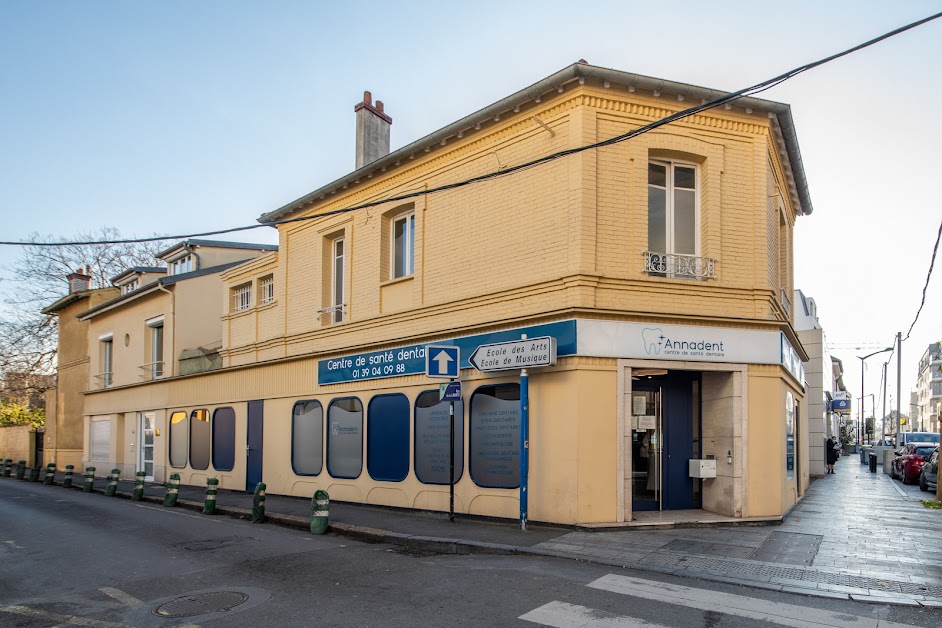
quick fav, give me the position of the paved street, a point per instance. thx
(73, 558)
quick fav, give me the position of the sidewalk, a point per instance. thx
(854, 535)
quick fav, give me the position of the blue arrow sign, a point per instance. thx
(442, 361)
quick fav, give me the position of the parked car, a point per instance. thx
(929, 475)
(909, 460)
(918, 437)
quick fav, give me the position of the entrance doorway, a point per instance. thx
(665, 435)
(254, 440)
(145, 445)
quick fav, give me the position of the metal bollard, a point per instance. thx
(67, 481)
(258, 504)
(50, 474)
(21, 470)
(320, 512)
(173, 488)
(113, 483)
(138, 493)
(34, 474)
(89, 480)
(209, 505)
(7, 467)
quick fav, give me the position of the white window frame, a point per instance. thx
(266, 289)
(670, 164)
(242, 297)
(129, 286)
(338, 292)
(409, 244)
(180, 266)
(157, 367)
(106, 342)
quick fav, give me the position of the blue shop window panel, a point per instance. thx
(223, 439)
(387, 438)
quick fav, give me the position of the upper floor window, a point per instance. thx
(266, 289)
(182, 265)
(403, 246)
(155, 366)
(129, 287)
(242, 297)
(672, 208)
(337, 281)
(106, 360)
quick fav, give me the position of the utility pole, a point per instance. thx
(899, 383)
(883, 416)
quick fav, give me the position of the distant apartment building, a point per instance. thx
(656, 271)
(928, 395)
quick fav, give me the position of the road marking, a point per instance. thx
(13, 545)
(62, 619)
(739, 605)
(563, 615)
(182, 514)
(121, 596)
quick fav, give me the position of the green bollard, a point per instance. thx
(113, 483)
(7, 467)
(258, 504)
(320, 512)
(173, 488)
(209, 506)
(138, 493)
(67, 481)
(21, 469)
(89, 480)
(34, 474)
(50, 474)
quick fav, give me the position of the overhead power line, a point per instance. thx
(925, 287)
(727, 98)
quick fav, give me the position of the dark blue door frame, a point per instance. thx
(677, 414)
(254, 439)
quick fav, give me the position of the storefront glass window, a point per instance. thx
(345, 438)
(495, 436)
(307, 440)
(387, 438)
(432, 436)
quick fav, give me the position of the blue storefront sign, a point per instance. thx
(410, 360)
(841, 406)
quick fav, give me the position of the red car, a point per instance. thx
(909, 460)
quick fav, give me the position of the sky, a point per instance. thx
(180, 116)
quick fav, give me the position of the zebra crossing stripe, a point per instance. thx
(563, 615)
(738, 605)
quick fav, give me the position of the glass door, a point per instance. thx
(145, 456)
(647, 449)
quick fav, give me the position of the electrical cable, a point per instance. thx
(685, 113)
(935, 250)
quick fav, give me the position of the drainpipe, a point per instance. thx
(173, 327)
(196, 256)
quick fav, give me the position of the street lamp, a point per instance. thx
(862, 358)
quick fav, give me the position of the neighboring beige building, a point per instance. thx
(928, 402)
(162, 325)
(65, 402)
(659, 268)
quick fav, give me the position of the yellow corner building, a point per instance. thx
(658, 267)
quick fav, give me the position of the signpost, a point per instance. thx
(444, 361)
(518, 354)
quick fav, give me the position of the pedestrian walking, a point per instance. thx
(831, 447)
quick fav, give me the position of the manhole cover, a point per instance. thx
(201, 604)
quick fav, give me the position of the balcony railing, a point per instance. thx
(104, 380)
(679, 266)
(152, 370)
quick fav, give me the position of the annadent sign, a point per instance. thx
(610, 339)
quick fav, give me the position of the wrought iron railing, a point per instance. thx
(679, 266)
(152, 370)
(104, 380)
(333, 310)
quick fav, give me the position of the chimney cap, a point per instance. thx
(367, 103)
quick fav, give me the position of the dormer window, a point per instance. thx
(130, 286)
(182, 265)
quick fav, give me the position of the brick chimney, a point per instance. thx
(79, 281)
(372, 131)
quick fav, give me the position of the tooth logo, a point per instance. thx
(653, 340)
(335, 428)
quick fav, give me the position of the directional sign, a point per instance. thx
(517, 354)
(449, 392)
(442, 361)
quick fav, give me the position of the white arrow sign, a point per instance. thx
(443, 359)
(516, 354)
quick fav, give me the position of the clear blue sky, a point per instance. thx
(179, 116)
